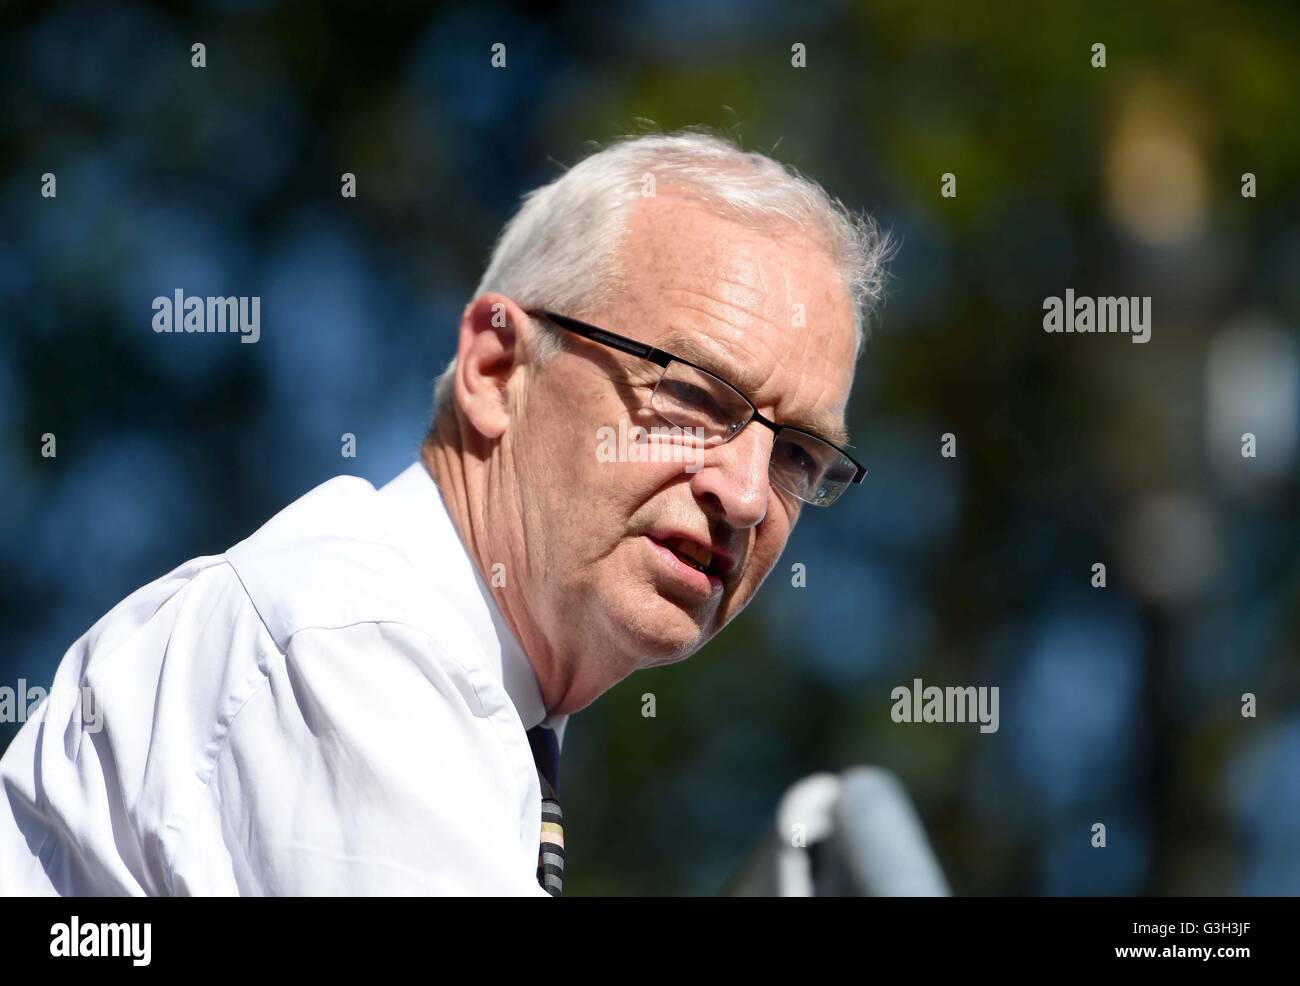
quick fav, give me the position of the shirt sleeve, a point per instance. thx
(370, 764)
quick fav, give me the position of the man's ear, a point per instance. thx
(488, 354)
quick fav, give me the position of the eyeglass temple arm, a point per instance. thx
(611, 339)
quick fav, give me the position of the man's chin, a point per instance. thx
(660, 631)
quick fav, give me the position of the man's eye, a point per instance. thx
(796, 456)
(688, 393)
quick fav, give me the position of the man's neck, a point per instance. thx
(460, 480)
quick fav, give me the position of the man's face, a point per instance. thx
(604, 581)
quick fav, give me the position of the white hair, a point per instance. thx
(559, 251)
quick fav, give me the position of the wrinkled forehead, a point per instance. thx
(765, 308)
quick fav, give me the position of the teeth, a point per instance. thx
(696, 553)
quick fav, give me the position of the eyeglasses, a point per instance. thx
(690, 397)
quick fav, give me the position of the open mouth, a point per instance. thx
(693, 555)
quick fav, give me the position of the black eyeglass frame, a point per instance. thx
(661, 358)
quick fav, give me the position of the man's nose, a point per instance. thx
(733, 478)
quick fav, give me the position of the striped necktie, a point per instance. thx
(550, 854)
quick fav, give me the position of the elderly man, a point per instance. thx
(368, 694)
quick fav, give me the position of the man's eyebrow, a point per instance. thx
(832, 432)
(742, 377)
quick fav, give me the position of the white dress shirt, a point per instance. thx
(333, 706)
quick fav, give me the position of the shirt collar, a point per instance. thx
(435, 547)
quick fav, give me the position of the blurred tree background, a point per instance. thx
(1119, 705)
